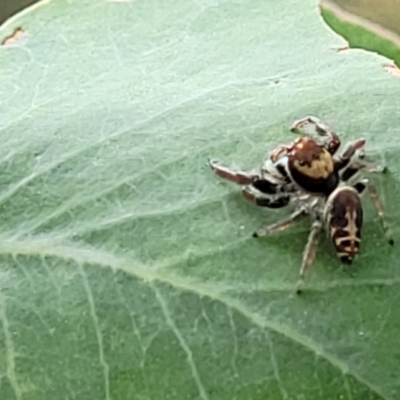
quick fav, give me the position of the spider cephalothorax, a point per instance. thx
(307, 164)
(320, 181)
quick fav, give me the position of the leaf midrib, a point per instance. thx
(148, 274)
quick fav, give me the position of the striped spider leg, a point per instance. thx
(262, 188)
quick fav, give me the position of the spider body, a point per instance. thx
(320, 181)
(343, 215)
(307, 164)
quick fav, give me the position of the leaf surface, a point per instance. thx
(128, 270)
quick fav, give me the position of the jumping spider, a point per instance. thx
(320, 180)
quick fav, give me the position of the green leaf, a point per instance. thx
(366, 24)
(128, 270)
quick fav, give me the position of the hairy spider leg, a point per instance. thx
(280, 225)
(279, 152)
(263, 199)
(352, 172)
(376, 201)
(364, 184)
(375, 169)
(309, 252)
(263, 192)
(351, 155)
(236, 176)
(311, 247)
(314, 127)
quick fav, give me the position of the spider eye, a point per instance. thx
(302, 163)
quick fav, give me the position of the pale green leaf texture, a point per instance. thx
(127, 268)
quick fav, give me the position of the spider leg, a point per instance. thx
(268, 185)
(237, 176)
(352, 173)
(261, 199)
(375, 169)
(279, 152)
(376, 201)
(354, 157)
(280, 225)
(309, 251)
(361, 186)
(314, 127)
(351, 156)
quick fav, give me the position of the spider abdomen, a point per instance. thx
(344, 219)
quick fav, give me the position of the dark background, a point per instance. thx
(11, 7)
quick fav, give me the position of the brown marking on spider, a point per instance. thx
(310, 159)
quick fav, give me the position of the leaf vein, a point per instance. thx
(276, 370)
(12, 377)
(182, 342)
(99, 336)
